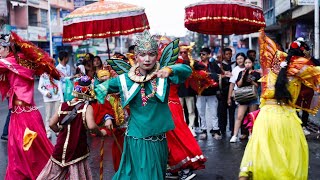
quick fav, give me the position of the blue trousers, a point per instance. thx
(6, 126)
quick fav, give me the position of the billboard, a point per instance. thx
(37, 33)
(305, 2)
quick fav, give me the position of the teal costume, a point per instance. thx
(145, 151)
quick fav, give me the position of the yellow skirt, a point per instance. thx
(277, 148)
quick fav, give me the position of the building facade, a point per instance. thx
(30, 20)
(289, 19)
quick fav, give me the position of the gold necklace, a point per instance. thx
(140, 79)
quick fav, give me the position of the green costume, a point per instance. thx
(145, 151)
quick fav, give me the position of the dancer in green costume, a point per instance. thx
(145, 88)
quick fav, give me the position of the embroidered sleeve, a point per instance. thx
(310, 77)
(180, 73)
(109, 86)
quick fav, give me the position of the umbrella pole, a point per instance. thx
(222, 39)
(101, 158)
(108, 48)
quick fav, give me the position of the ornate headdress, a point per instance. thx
(5, 40)
(187, 47)
(146, 43)
(32, 57)
(83, 89)
(300, 45)
(102, 73)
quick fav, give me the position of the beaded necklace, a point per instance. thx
(145, 97)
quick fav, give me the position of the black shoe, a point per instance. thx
(186, 176)
(203, 136)
(223, 133)
(215, 132)
(4, 138)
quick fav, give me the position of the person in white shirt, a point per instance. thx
(240, 57)
(65, 71)
(52, 96)
(64, 68)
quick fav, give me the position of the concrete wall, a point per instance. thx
(19, 16)
(65, 4)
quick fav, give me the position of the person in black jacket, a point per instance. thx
(226, 67)
(207, 102)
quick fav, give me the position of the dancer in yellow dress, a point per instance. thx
(278, 148)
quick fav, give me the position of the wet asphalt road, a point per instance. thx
(223, 158)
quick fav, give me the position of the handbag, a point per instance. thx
(246, 93)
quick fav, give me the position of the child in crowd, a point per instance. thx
(52, 96)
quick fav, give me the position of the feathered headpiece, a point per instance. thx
(34, 57)
(187, 47)
(189, 50)
(146, 43)
(300, 44)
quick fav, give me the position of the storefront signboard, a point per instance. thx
(37, 33)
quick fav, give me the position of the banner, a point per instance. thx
(305, 2)
(37, 33)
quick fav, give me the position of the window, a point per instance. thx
(267, 4)
(33, 16)
(54, 17)
(44, 18)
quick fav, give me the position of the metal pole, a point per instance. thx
(121, 44)
(316, 29)
(50, 30)
(250, 39)
(107, 40)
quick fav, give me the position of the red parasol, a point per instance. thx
(224, 17)
(104, 19)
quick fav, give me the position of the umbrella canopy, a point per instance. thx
(104, 19)
(224, 17)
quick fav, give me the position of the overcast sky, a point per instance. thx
(164, 16)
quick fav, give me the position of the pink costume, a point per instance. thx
(17, 82)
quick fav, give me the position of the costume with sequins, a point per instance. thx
(28, 146)
(145, 151)
(278, 148)
(71, 151)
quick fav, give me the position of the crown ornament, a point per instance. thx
(146, 43)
